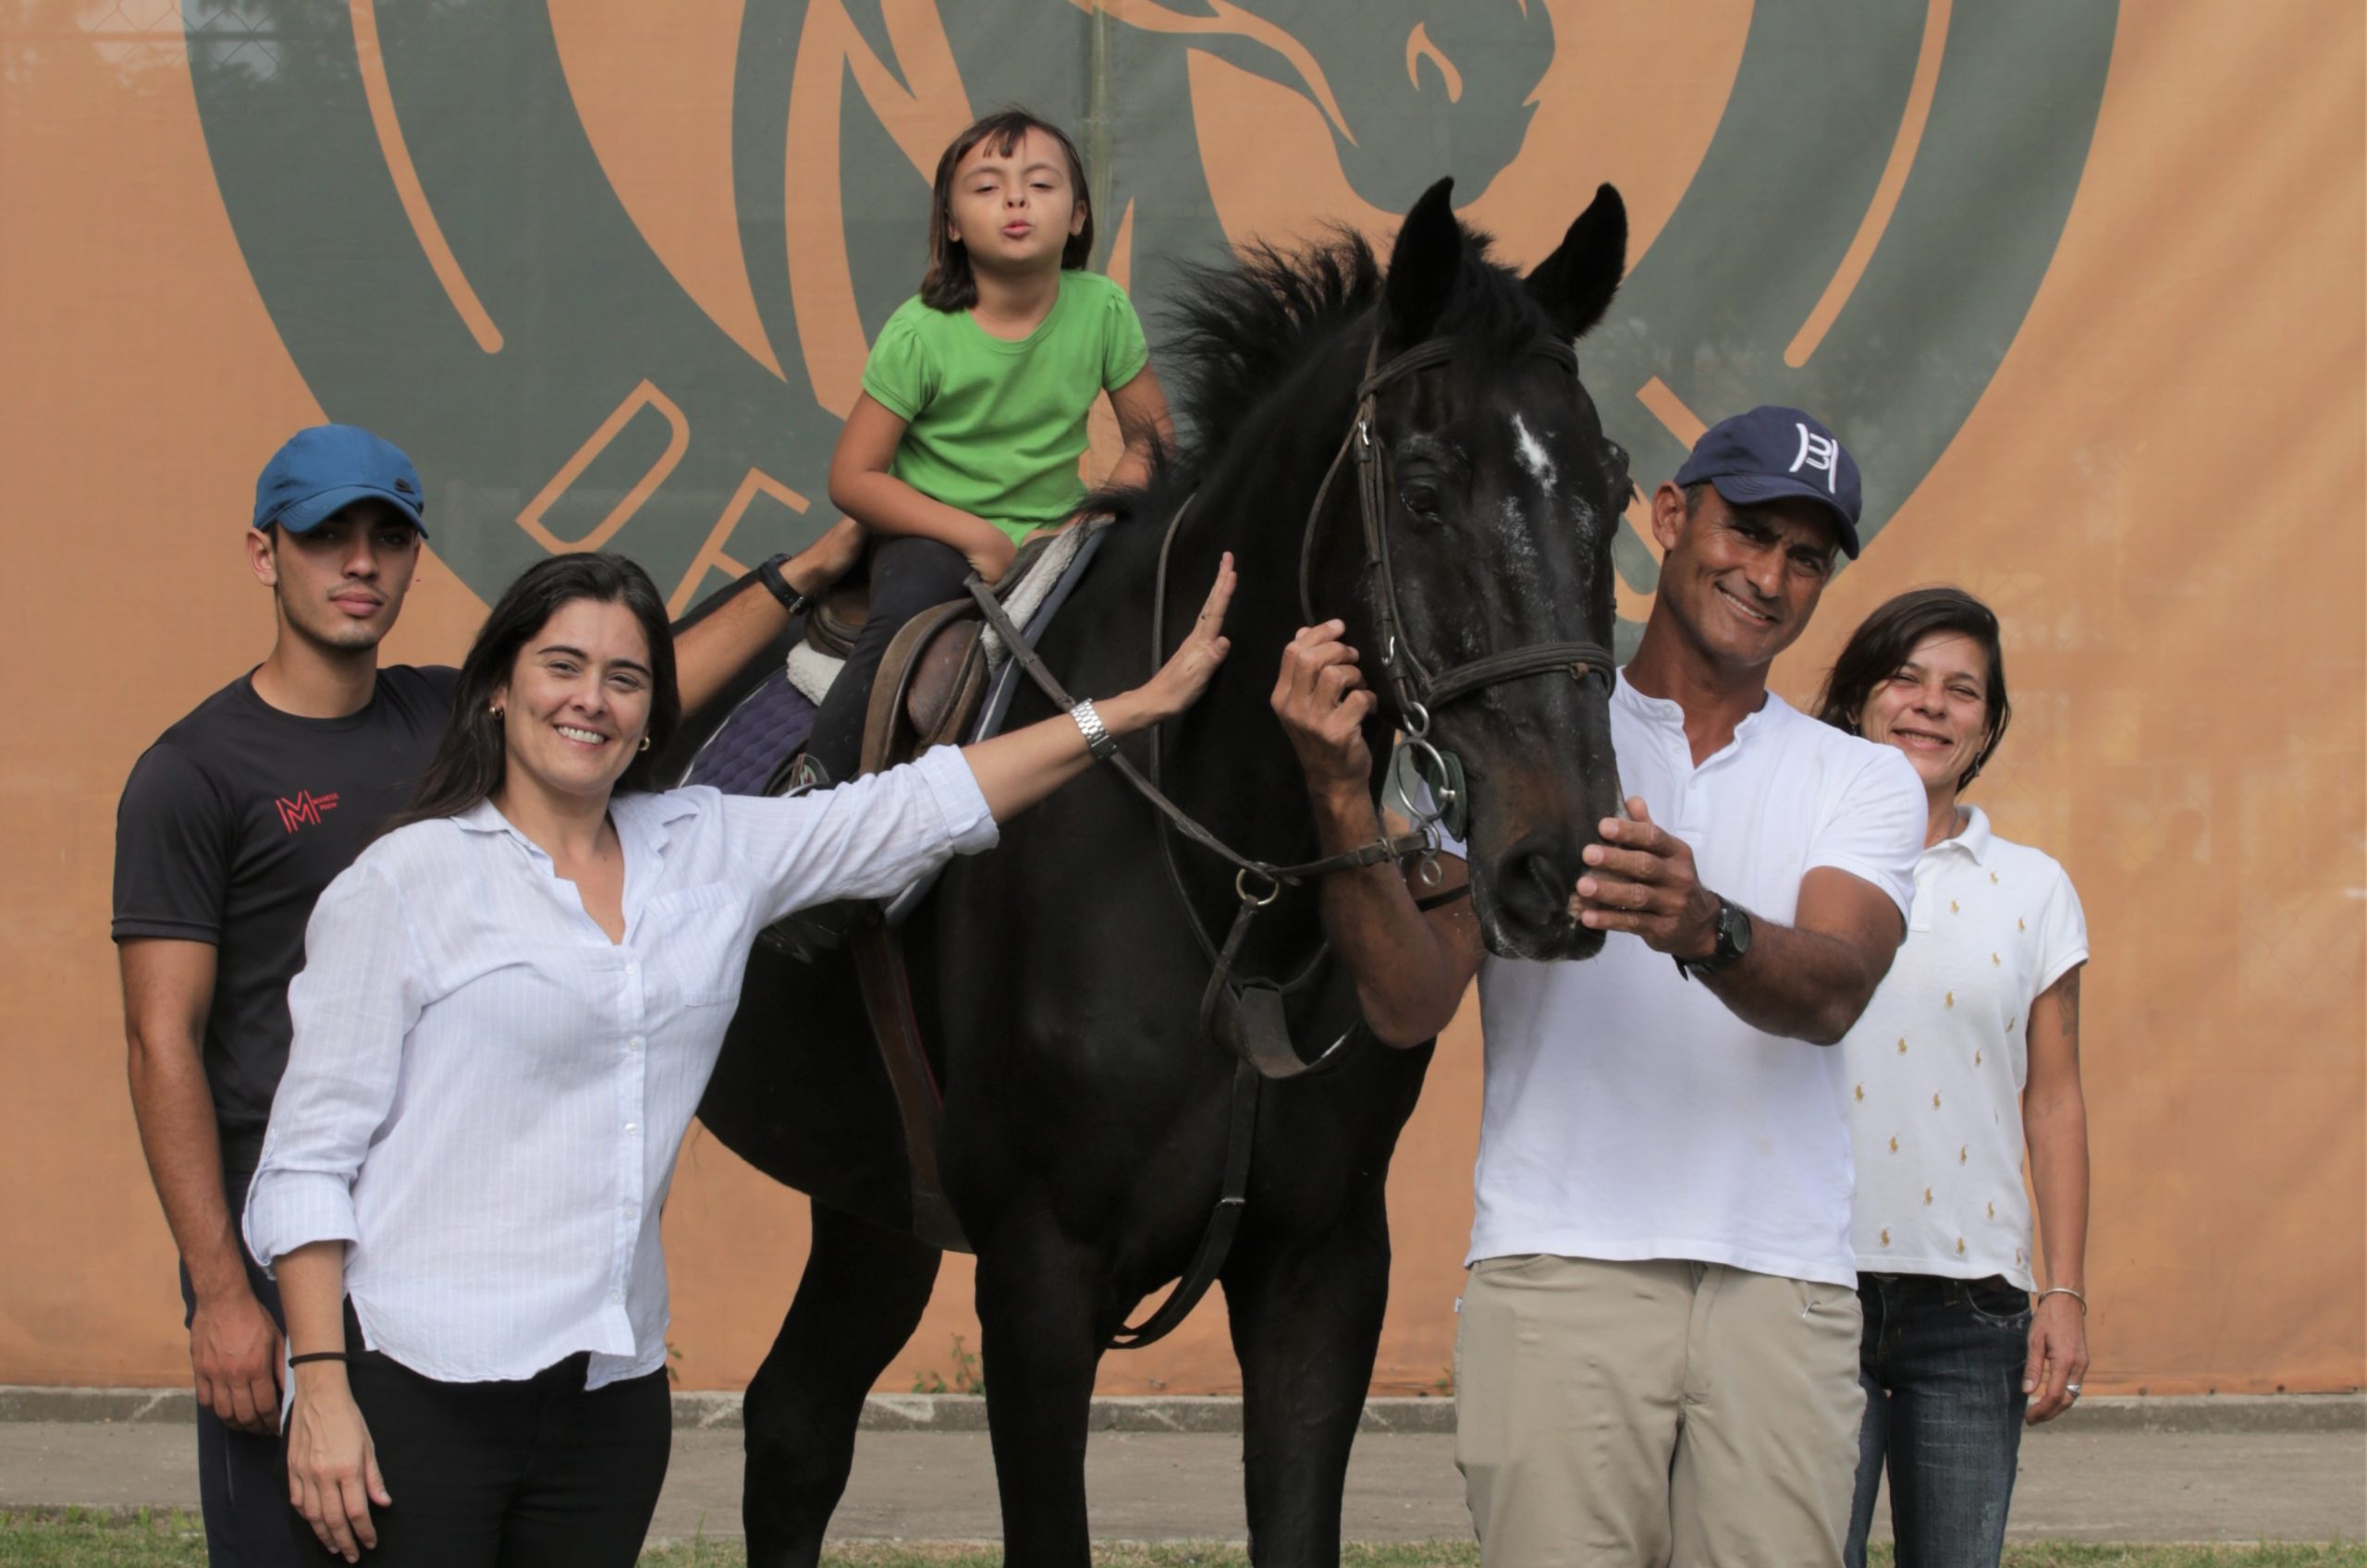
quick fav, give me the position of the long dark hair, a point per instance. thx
(1888, 637)
(949, 284)
(471, 757)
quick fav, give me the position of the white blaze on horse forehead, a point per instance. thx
(1533, 455)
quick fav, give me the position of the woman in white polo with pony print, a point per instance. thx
(1967, 1056)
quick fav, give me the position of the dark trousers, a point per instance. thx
(1941, 1365)
(908, 575)
(242, 1482)
(508, 1475)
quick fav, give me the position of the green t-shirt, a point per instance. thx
(993, 427)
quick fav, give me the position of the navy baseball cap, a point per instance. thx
(330, 466)
(1772, 452)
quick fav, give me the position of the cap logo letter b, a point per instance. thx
(1821, 452)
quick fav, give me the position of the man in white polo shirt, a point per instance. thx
(1656, 1355)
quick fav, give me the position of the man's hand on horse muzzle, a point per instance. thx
(1641, 878)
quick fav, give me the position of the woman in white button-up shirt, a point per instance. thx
(1967, 1057)
(510, 1006)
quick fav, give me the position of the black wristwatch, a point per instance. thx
(1733, 940)
(768, 573)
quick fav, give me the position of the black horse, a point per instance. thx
(1084, 1112)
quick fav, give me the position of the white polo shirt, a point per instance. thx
(1628, 1115)
(1938, 1061)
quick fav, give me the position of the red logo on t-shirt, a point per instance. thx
(304, 810)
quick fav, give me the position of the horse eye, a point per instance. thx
(1422, 500)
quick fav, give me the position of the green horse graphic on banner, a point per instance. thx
(449, 260)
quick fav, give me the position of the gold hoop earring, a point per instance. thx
(644, 742)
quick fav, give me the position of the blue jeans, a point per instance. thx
(1941, 1365)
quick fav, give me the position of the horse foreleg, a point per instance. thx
(861, 1295)
(1305, 1323)
(1036, 1296)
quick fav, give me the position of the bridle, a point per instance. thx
(1417, 690)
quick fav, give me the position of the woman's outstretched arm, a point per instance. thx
(1016, 770)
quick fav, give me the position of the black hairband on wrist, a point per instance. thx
(316, 1356)
(768, 573)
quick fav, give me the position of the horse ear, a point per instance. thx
(1422, 267)
(1575, 283)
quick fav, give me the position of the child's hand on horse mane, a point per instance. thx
(1189, 669)
(990, 558)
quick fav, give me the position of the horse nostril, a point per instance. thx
(1537, 887)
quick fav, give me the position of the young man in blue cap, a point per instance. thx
(229, 827)
(1658, 1343)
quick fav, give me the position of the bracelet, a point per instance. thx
(316, 1356)
(1097, 739)
(2065, 1290)
(768, 573)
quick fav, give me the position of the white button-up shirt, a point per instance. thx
(485, 1096)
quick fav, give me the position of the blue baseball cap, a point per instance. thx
(1773, 452)
(328, 467)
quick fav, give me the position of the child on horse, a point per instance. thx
(972, 420)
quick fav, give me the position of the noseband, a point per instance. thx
(1419, 691)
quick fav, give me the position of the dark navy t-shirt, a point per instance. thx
(230, 826)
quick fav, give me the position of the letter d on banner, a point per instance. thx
(640, 397)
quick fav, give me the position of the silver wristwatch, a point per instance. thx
(1097, 739)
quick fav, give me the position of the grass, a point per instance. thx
(79, 1537)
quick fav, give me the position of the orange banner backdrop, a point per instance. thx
(2161, 487)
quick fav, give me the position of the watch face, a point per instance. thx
(1734, 932)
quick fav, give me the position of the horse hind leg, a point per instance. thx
(1306, 1320)
(862, 1293)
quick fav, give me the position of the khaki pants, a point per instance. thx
(1658, 1412)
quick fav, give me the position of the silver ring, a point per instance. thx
(2071, 1389)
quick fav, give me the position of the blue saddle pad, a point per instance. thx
(764, 732)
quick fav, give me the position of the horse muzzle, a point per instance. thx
(1524, 903)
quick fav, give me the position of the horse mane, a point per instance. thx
(1238, 332)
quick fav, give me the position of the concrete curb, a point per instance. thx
(1222, 1413)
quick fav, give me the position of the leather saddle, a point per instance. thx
(932, 681)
